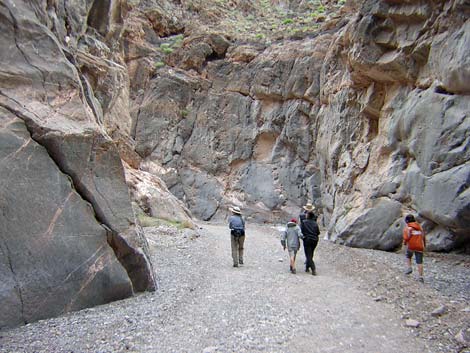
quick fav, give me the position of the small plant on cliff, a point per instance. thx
(167, 50)
(184, 113)
(159, 64)
(287, 21)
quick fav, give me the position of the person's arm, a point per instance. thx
(300, 234)
(283, 239)
(424, 238)
(405, 235)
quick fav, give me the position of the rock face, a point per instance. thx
(69, 239)
(369, 119)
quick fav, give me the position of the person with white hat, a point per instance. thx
(308, 208)
(311, 232)
(237, 235)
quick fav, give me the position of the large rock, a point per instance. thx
(55, 254)
(69, 234)
(376, 228)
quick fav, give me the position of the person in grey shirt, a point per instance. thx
(290, 239)
(237, 235)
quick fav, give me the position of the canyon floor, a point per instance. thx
(360, 301)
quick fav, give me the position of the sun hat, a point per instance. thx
(236, 210)
(309, 207)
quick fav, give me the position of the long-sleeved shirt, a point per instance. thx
(236, 222)
(290, 237)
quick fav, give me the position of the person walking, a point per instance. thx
(290, 239)
(310, 231)
(415, 241)
(237, 235)
(306, 209)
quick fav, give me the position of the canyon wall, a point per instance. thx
(368, 118)
(107, 102)
(69, 238)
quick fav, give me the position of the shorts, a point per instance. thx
(418, 256)
(292, 253)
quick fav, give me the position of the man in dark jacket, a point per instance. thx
(310, 233)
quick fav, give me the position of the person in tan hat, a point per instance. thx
(308, 208)
(311, 232)
(237, 235)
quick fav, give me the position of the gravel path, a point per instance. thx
(357, 303)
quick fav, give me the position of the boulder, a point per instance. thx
(55, 254)
(376, 228)
(70, 235)
(154, 199)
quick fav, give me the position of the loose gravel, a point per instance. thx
(360, 301)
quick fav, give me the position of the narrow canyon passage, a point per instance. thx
(203, 304)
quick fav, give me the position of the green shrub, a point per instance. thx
(288, 21)
(167, 50)
(148, 221)
(184, 113)
(159, 64)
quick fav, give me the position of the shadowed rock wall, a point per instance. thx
(68, 236)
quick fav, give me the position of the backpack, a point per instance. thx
(237, 232)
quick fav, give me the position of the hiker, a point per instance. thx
(310, 233)
(237, 235)
(290, 239)
(306, 209)
(414, 239)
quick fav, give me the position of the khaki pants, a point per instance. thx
(237, 248)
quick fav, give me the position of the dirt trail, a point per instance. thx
(203, 304)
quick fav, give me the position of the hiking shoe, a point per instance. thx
(408, 271)
(306, 270)
(240, 262)
(235, 265)
(421, 279)
(314, 273)
(294, 271)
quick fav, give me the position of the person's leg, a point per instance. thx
(308, 246)
(293, 260)
(312, 263)
(234, 243)
(241, 242)
(419, 262)
(409, 255)
(306, 251)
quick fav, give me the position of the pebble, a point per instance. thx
(439, 311)
(463, 337)
(412, 323)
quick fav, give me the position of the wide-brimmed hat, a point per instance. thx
(236, 210)
(309, 207)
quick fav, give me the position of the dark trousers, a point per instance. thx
(309, 248)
